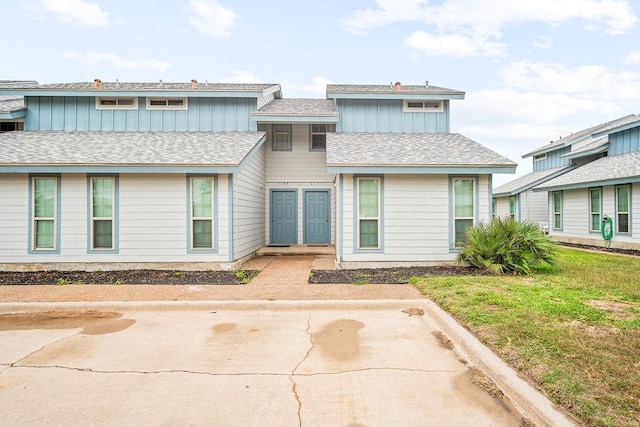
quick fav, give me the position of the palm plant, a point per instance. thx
(506, 245)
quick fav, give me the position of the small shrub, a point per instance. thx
(242, 277)
(506, 245)
(178, 274)
(62, 281)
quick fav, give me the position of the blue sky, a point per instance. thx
(532, 70)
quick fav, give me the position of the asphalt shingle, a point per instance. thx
(409, 149)
(126, 148)
(387, 89)
(623, 166)
(527, 181)
(150, 86)
(299, 107)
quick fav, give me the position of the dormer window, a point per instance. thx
(423, 106)
(116, 103)
(166, 103)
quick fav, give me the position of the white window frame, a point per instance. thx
(453, 205)
(289, 134)
(540, 157)
(152, 103)
(117, 105)
(556, 213)
(360, 218)
(34, 219)
(111, 218)
(593, 213)
(627, 212)
(201, 218)
(427, 105)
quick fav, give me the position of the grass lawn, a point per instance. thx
(574, 330)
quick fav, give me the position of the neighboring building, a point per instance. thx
(607, 187)
(518, 199)
(164, 173)
(12, 109)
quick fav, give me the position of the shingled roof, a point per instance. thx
(411, 150)
(60, 148)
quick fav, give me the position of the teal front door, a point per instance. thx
(317, 220)
(284, 217)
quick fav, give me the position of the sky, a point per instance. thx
(533, 71)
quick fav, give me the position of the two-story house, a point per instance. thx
(608, 187)
(154, 174)
(518, 199)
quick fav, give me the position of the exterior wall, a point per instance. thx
(416, 220)
(152, 221)
(533, 206)
(249, 206)
(575, 217)
(502, 207)
(359, 115)
(553, 160)
(624, 142)
(80, 114)
(299, 169)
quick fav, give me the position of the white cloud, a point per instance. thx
(543, 42)
(457, 45)
(242, 76)
(633, 57)
(118, 62)
(316, 88)
(80, 13)
(463, 21)
(211, 18)
(593, 81)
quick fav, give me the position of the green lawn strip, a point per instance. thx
(574, 329)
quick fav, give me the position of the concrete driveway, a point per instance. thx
(239, 365)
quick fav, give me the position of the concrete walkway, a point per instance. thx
(290, 270)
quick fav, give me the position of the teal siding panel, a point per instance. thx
(387, 115)
(45, 113)
(624, 142)
(69, 114)
(553, 160)
(80, 113)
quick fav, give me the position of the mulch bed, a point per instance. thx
(633, 252)
(389, 275)
(124, 277)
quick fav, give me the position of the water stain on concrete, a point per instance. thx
(92, 322)
(480, 391)
(222, 328)
(442, 339)
(339, 340)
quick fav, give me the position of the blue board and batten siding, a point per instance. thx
(387, 115)
(624, 142)
(553, 160)
(80, 114)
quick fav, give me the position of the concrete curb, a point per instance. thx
(529, 401)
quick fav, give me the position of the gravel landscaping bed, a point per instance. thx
(364, 276)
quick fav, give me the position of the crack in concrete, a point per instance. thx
(294, 385)
(11, 365)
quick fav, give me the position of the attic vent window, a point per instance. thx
(423, 105)
(166, 103)
(116, 103)
(538, 157)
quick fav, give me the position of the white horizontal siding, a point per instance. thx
(249, 206)
(534, 206)
(502, 207)
(152, 221)
(299, 165)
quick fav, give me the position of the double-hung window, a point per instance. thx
(623, 209)
(512, 206)
(202, 212)
(44, 213)
(281, 137)
(595, 212)
(463, 208)
(557, 210)
(103, 209)
(368, 213)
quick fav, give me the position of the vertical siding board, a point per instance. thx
(624, 142)
(193, 121)
(95, 116)
(70, 112)
(181, 118)
(144, 121)
(217, 115)
(44, 113)
(229, 107)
